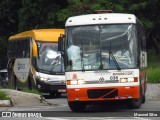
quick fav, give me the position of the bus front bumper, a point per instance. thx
(103, 94)
(50, 87)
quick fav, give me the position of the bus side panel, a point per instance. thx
(21, 69)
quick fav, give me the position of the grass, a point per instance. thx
(4, 96)
(153, 70)
(34, 91)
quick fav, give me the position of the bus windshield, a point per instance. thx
(49, 59)
(89, 47)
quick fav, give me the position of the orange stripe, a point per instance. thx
(81, 93)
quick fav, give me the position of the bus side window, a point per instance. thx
(26, 48)
(18, 49)
(14, 49)
(23, 48)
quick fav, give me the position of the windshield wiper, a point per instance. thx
(82, 61)
(113, 58)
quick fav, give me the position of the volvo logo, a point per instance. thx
(101, 80)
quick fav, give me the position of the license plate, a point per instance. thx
(61, 90)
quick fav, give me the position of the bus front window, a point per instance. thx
(50, 59)
(122, 42)
(95, 43)
(83, 48)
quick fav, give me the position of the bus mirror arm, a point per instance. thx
(70, 62)
(61, 44)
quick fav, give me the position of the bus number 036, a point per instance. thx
(114, 78)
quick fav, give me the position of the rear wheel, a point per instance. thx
(77, 106)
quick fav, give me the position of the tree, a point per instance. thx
(39, 14)
(146, 10)
(9, 26)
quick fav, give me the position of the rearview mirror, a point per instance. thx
(61, 43)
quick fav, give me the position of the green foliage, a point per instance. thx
(3, 52)
(153, 75)
(22, 15)
(38, 14)
(153, 70)
(3, 96)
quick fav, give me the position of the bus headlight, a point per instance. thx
(42, 79)
(80, 82)
(75, 82)
(132, 79)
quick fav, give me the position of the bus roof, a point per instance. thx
(104, 18)
(40, 34)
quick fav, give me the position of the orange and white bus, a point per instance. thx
(105, 59)
(35, 62)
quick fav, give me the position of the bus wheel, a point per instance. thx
(77, 106)
(135, 103)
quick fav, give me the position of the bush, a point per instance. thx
(153, 70)
(3, 96)
(34, 91)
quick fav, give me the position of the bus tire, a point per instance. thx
(77, 106)
(145, 83)
(135, 103)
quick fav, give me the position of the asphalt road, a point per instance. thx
(58, 110)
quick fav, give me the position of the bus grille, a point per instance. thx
(104, 93)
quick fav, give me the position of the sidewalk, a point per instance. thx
(153, 91)
(19, 98)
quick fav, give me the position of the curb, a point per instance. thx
(12, 102)
(43, 100)
(6, 103)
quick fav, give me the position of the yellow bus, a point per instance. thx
(34, 62)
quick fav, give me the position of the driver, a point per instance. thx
(74, 54)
